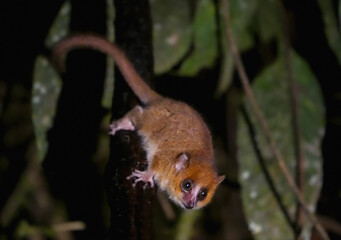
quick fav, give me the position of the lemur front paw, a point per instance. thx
(121, 124)
(142, 176)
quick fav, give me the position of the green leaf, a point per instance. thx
(242, 15)
(205, 40)
(226, 74)
(332, 29)
(171, 32)
(59, 28)
(272, 93)
(45, 92)
(268, 24)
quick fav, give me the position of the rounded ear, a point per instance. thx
(182, 162)
(221, 178)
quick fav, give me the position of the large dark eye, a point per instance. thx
(202, 194)
(186, 185)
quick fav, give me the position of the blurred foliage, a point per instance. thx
(272, 93)
(242, 16)
(190, 41)
(25, 230)
(172, 32)
(46, 83)
(332, 25)
(46, 88)
(204, 40)
(185, 225)
(59, 28)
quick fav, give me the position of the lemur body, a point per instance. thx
(177, 141)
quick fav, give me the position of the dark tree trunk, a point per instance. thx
(309, 40)
(130, 208)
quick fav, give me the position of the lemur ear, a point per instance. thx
(182, 162)
(221, 178)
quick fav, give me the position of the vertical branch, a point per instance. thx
(130, 208)
(294, 118)
(312, 44)
(264, 125)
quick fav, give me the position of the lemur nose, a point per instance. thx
(189, 205)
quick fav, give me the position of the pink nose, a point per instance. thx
(189, 205)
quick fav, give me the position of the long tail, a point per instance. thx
(139, 87)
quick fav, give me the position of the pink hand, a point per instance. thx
(142, 176)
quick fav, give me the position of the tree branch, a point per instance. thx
(265, 170)
(130, 207)
(264, 125)
(294, 117)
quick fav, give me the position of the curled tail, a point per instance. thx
(139, 87)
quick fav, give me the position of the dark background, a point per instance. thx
(79, 181)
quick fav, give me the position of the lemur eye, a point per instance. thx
(202, 194)
(186, 185)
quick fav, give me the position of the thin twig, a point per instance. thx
(69, 226)
(294, 117)
(265, 170)
(264, 125)
(330, 224)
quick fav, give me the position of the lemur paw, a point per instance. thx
(142, 176)
(121, 124)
